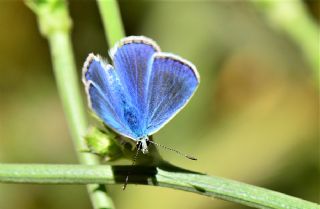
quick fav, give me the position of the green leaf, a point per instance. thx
(103, 144)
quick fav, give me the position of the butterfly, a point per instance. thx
(143, 89)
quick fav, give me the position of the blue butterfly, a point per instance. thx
(143, 90)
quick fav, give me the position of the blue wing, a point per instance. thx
(132, 57)
(173, 81)
(143, 91)
(105, 94)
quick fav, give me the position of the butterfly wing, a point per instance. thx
(173, 81)
(131, 58)
(106, 96)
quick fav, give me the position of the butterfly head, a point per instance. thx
(143, 144)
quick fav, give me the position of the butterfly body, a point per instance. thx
(143, 89)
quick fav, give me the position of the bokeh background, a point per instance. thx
(255, 117)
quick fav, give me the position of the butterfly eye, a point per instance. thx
(139, 145)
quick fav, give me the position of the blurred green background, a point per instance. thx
(255, 117)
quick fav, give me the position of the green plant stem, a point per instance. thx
(55, 25)
(165, 176)
(111, 20)
(64, 69)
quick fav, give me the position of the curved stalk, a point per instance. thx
(111, 20)
(165, 175)
(55, 24)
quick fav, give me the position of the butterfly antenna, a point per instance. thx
(134, 159)
(171, 149)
